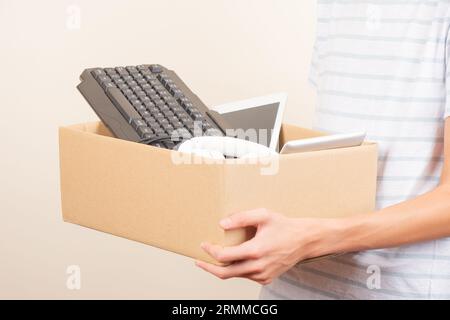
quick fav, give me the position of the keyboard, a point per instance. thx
(148, 104)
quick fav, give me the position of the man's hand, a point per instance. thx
(279, 244)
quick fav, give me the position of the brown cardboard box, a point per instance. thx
(138, 192)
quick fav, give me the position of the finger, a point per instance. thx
(245, 251)
(240, 269)
(260, 278)
(245, 219)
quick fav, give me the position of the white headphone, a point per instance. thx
(221, 147)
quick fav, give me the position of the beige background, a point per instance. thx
(224, 49)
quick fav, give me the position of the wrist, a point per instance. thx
(333, 236)
(350, 232)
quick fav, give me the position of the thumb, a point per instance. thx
(245, 219)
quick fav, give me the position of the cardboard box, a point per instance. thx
(138, 192)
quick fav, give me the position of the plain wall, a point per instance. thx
(225, 50)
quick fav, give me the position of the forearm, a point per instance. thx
(424, 218)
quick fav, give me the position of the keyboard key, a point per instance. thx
(135, 102)
(150, 77)
(135, 88)
(98, 73)
(164, 108)
(187, 121)
(168, 83)
(188, 105)
(106, 85)
(145, 114)
(146, 72)
(153, 110)
(155, 126)
(132, 69)
(156, 68)
(142, 131)
(140, 94)
(138, 123)
(160, 132)
(177, 125)
(122, 104)
(110, 71)
(163, 121)
(140, 108)
(184, 100)
(127, 92)
(149, 136)
(122, 71)
(163, 77)
(180, 112)
(206, 125)
(197, 116)
(149, 92)
(102, 79)
(142, 67)
(154, 97)
(172, 88)
(167, 126)
(172, 105)
(178, 94)
(149, 119)
(146, 100)
(167, 97)
(168, 113)
(149, 104)
(159, 88)
(190, 110)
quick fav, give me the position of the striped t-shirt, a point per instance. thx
(380, 66)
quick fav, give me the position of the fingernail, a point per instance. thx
(203, 245)
(225, 223)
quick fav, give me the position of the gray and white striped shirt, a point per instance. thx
(381, 66)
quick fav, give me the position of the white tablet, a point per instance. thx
(334, 141)
(263, 114)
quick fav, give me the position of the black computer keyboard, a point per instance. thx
(148, 104)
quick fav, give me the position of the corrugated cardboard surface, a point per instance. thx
(137, 192)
